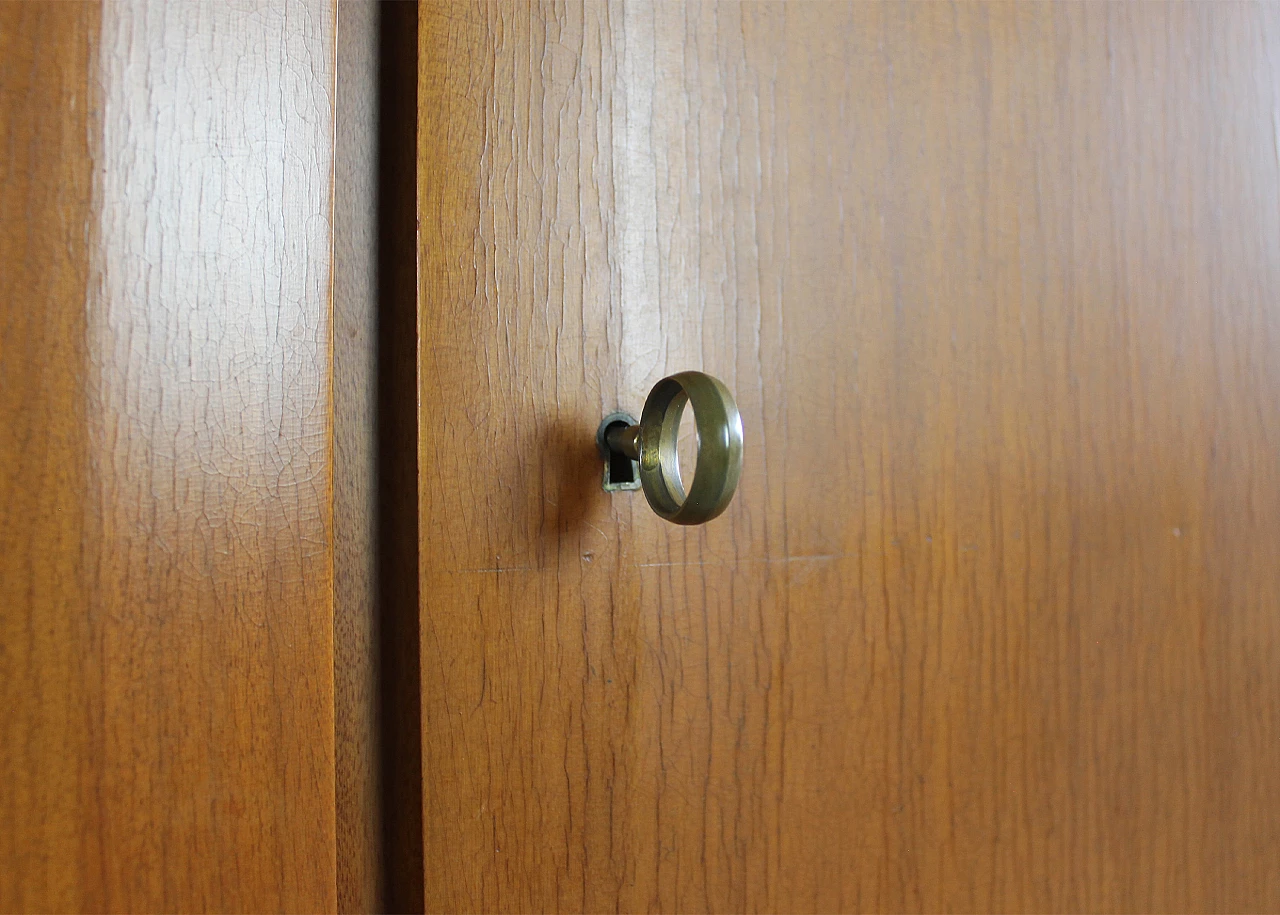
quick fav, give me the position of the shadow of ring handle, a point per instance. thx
(653, 443)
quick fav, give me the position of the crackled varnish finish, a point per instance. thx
(166, 662)
(994, 621)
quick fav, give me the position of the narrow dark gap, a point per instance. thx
(399, 699)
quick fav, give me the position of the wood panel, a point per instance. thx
(991, 624)
(165, 445)
(45, 194)
(360, 876)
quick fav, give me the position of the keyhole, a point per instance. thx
(621, 467)
(620, 471)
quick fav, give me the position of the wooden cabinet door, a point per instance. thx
(166, 624)
(993, 622)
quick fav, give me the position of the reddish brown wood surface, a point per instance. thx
(360, 853)
(992, 623)
(165, 458)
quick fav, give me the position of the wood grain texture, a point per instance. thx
(992, 622)
(46, 803)
(165, 439)
(360, 854)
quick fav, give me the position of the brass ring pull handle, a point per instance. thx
(651, 444)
